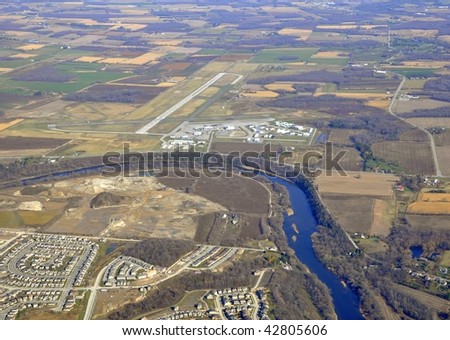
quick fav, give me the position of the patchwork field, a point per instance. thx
(443, 154)
(342, 136)
(352, 160)
(430, 122)
(351, 211)
(300, 34)
(260, 94)
(413, 157)
(31, 47)
(431, 204)
(25, 143)
(236, 194)
(361, 214)
(287, 55)
(280, 86)
(4, 126)
(429, 222)
(357, 183)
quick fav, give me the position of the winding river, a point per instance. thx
(345, 301)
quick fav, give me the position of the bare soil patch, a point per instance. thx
(29, 143)
(414, 157)
(357, 183)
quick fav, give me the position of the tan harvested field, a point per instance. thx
(145, 58)
(177, 79)
(301, 34)
(442, 139)
(331, 54)
(429, 208)
(31, 47)
(433, 197)
(280, 86)
(430, 122)
(176, 66)
(431, 204)
(114, 60)
(260, 94)
(352, 211)
(4, 126)
(415, 33)
(383, 213)
(413, 157)
(5, 69)
(167, 42)
(210, 91)
(443, 153)
(352, 160)
(17, 33)
(414, 135)
(357, 183)
(419, 104)
(98, 145)
(88, 59)
(165, 84)
(379, 103)
(361, 95)
(23, 56)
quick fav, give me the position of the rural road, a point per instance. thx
(430, 136)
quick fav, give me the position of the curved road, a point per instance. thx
(430, 136)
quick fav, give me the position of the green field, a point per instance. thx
(445, 261)
(415, 72)
(10, 219)
(211, 51)
(38, 217)
(17, 219)
(284, 55)
(329, 61)
(14, 63)
(82, 80)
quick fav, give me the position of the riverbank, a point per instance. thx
(346, 302)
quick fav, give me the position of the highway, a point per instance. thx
(430, 136)
(179, 105)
